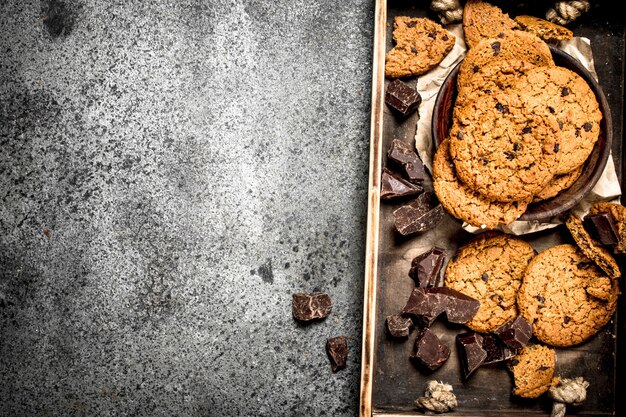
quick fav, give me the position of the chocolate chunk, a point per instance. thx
(509, 155)
(471, 352)
(502, 108)
(497, 351)
(428, 350)
(516, 332)
(564, 91)
(566, 319)
(400, 154)
(411, 24)
(587, 126)
(485, 277)
(602, 227)
(485, 161)
(393, 186)
(527, 129)
(399, 326)
(426, 304)
(425, 268)
(556, 147)
(311, 306)
(337, 350)
(420, 215)
(496, 48)
(401, 97)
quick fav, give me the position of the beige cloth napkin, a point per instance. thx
(606, 189)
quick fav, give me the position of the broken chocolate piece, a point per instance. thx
(428, 350)
(426, 304)
(425, 268)
(402, 97)
(496, 350)
(399, 326)
(602, 227)
(393, 186)
(399, 153)
(420, 215)
(311, 306)
(515, 333)
(471, 352)
(337, 350)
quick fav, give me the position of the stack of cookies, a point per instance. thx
(522, 126)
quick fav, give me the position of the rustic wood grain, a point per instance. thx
(371, 249)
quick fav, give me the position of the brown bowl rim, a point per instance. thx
(598, 158)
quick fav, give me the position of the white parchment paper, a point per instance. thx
(606, 189)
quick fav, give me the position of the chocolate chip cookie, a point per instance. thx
(569, 98)
(590, 247)
(502, 148)
(497, 76)
(490, 268)
(533, 370)
(509, 44)
(464, 203)
(557, 296)
(546, 30)
(619, 214)
(483, 20)
(421, 44)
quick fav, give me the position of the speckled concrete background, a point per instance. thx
(170, 173)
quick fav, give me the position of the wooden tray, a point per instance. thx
(389, 382)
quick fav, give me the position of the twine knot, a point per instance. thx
(438, 398)
(450, 11)
(565, 12)
(567, 392)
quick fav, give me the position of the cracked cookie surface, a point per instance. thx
(497, 76)
(557, 296)
(570, 99)
(490, 268)
(557, 184)
(463, 202)
(509, 44)
(503, 149)
(546, 30)
(482, 20)
(533, 370)
(421, 44)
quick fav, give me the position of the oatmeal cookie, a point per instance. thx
(592, 248)
(533, 370)
(557, 296)
(546, 30)
(509, 44)
(463, 202)
(490, 269)
(502, 149)
(570, 99)
(421, 44)
(483, 20)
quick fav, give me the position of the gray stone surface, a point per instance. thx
(170, 173)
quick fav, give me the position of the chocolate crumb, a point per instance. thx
(337, 350)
